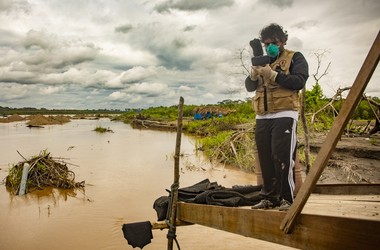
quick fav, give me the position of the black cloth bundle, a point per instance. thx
(206, 192)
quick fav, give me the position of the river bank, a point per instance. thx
(356, 158)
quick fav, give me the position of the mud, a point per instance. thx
(356, 159)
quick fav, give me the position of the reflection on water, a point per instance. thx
(124, 171)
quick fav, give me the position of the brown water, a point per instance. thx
(125, 172)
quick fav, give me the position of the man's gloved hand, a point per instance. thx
(255, 73)
(267, 72)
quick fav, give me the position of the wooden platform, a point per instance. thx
(327, 222)
(366, 207)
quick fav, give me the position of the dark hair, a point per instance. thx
(273, 31)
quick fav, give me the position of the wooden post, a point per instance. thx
(353, 98)
(175, 186)
(24, 178)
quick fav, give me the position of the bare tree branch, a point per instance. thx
(242, 52)
(319, 56)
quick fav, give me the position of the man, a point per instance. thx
(276, 104)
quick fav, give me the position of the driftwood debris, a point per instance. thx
(140, 123)
(44, 171)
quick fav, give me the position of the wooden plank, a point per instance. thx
(360, 207)
(347, 189)
(311, 231)
(332, 197)
(332, 138)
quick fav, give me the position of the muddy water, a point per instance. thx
(124, 171)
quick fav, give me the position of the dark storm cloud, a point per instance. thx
(193, 5)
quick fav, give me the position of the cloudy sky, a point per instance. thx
(119, 54)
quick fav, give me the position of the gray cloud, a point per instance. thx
(124, 28)
(138, 74)
(295, 43)
(148, 89)
(279, 3)
(166, 43)
(190, 28)
(12, 91)
(47, 50)
(193, 5)
(304, 25)
(8, 39)
(96, 54)
(9, 6)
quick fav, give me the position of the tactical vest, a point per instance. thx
(271, 97)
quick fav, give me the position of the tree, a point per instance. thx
(314, 99)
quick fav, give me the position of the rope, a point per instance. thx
(171, 232)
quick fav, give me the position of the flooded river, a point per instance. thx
(124, 171)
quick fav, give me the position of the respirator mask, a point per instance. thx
(273, 50)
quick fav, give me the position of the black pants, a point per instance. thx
(276, 143)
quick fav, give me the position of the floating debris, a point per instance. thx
(100, 129)
(44, 171)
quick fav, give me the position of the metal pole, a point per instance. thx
(174, 194)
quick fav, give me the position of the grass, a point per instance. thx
(100, 129)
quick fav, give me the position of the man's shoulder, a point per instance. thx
(293, 52)
(297, 55)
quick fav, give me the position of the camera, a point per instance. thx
(258, 58)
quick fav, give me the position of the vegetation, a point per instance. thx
(321, 111)
(100, 129)
(230, 138)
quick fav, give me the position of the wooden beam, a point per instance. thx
(311, 231)
(347, 189)
(163, 225)
(352, 100)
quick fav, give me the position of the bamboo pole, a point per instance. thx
(352, 100)
(174, 193)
